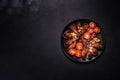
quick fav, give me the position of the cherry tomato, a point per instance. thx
(90, 30)
(79, 45)
(78, 53)
(72, 52)
(97, 29)
(92, 24)
(87, 35)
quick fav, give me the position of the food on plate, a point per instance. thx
(87, 35)
(97, 29)
(72, 51)
(92, 24)
(81, 39)
(78, 53)
(79, 45)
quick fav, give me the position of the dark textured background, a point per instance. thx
(30, 46)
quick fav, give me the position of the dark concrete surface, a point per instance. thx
(30, 46)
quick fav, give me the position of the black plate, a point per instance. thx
(101, 36)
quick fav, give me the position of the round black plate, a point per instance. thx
(101, 36)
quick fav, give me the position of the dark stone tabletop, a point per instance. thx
(30, 33)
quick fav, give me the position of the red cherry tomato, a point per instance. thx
(92, 24)
(79, 45)
(78, 53)
(72, 52)
(90, 30)
(97, 29)
(87, 35)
